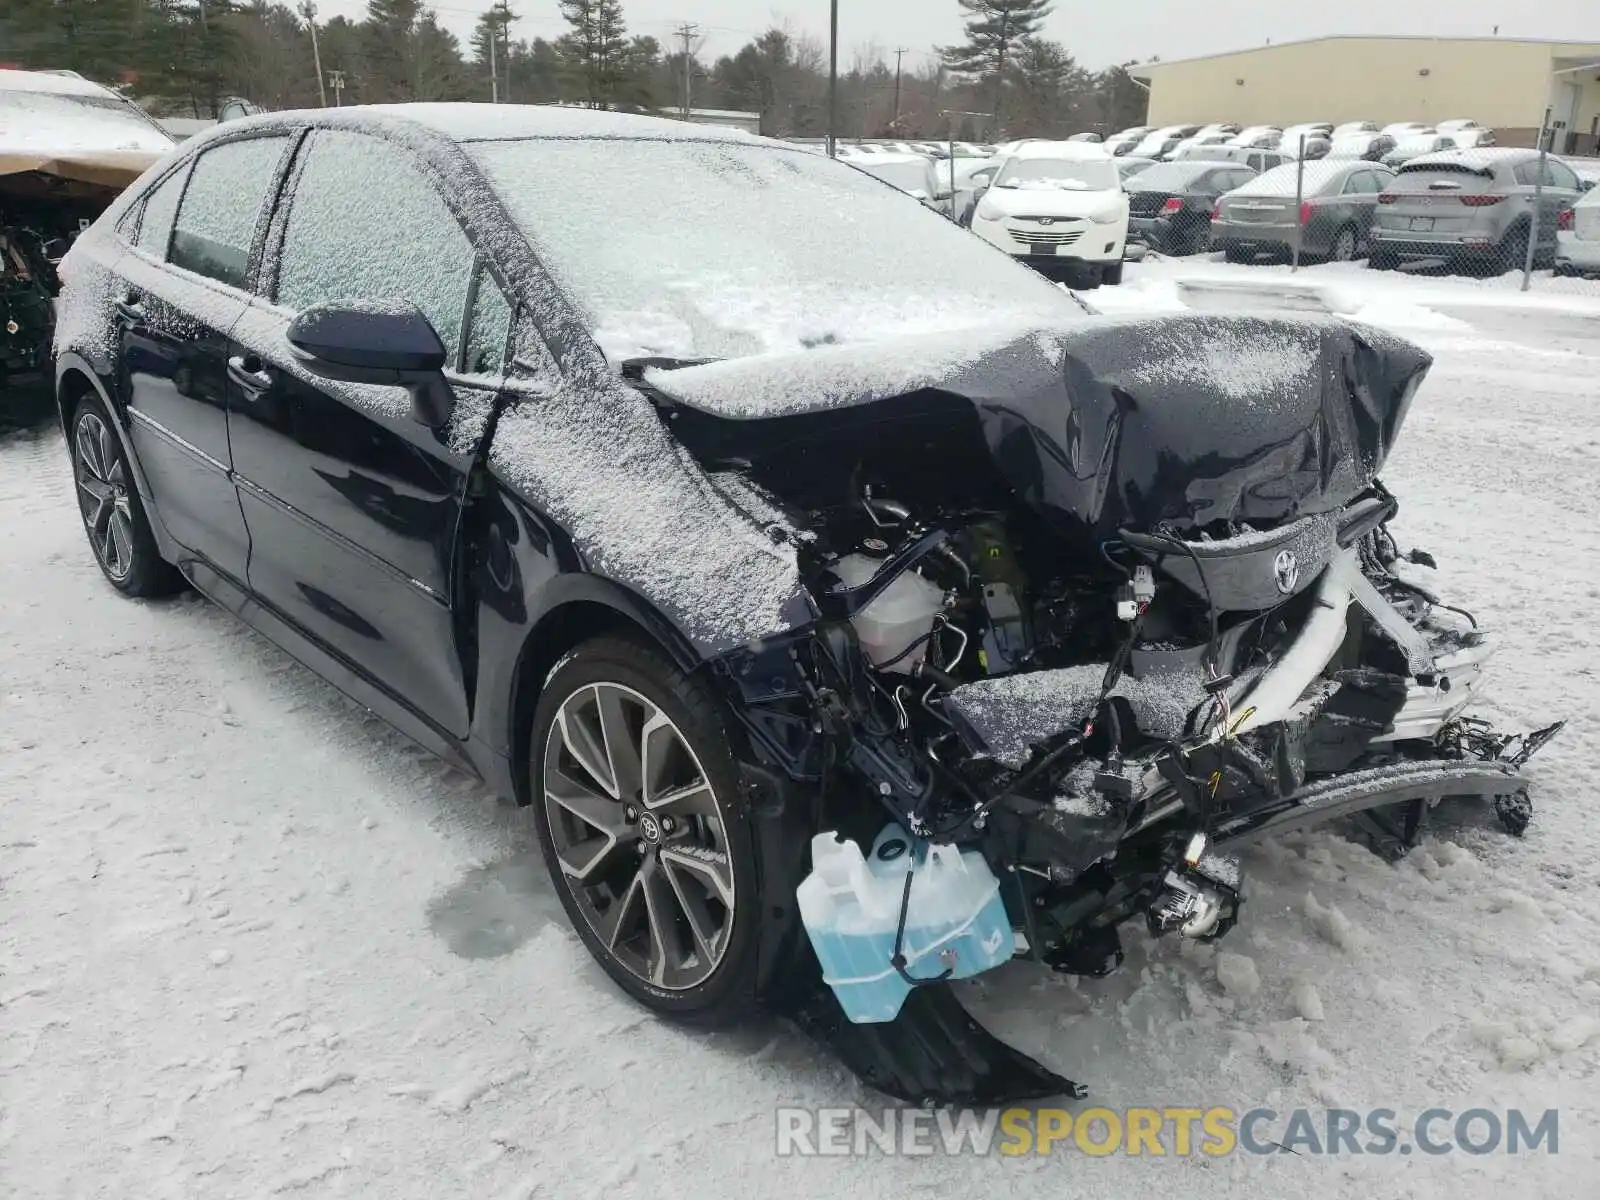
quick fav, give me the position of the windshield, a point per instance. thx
(1073, 175)
(907, 176)
(61, 123)
(670, 249)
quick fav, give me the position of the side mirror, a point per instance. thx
(377, 343)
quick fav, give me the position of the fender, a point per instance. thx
(72, 362)
(535, 601)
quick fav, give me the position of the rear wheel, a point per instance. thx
(1382, 260)
(645, 831)
(1345, 245)
(1235, 255)
(113, 515)
(1513, 252)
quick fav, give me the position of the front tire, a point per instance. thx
(645, 830)
(113, 515)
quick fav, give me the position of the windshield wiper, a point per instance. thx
(634, 368)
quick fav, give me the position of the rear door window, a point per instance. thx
(160, 207)
(366, 224)
(216, 223)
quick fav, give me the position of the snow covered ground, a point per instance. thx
(253, 943)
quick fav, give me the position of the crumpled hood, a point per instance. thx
(1112, 423)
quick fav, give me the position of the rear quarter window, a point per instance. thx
(160, 208)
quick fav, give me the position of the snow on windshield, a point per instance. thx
(702, 249)
(1073, 175)
(55, 123)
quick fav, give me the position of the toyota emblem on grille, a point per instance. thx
(1286, 570)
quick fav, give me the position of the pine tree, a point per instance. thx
(596, 51)
(491, 47)
(995, 31)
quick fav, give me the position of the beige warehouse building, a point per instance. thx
(1503, 83)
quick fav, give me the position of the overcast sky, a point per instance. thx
(1096, 34)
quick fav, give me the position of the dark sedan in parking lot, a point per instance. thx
(1169, 204)
(1333, 220)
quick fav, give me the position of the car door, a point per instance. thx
(182, 286)
(352, 505)
(1563, 190)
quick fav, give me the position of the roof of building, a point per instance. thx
(1143, 70)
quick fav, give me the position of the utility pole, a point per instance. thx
(1000, 74)
(833, 80)
(308, 10)
(503, 16)
(494, 69)
(899, 57)
(953, 114)
(686, 34)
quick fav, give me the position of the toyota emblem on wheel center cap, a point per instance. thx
(650, 828)
(1286, 570)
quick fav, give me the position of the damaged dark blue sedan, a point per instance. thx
(853, 610)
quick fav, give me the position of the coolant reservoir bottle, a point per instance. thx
(850, 905)
(901, 614)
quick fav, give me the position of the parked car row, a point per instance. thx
(1472, 210)
(1072, 208)
(1317, 139)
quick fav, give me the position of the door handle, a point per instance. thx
(246, 370)
(131, 306)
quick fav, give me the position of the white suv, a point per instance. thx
(1060, 208)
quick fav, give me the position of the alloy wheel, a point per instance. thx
(639, 834)
(103, 495)
(1344, 246)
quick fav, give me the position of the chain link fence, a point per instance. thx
(1514, 219)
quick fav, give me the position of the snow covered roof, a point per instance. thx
(51, 122)
(1480, 158)
(57, 83)
(488, 122)
(1319, 173)
(1061, 150)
